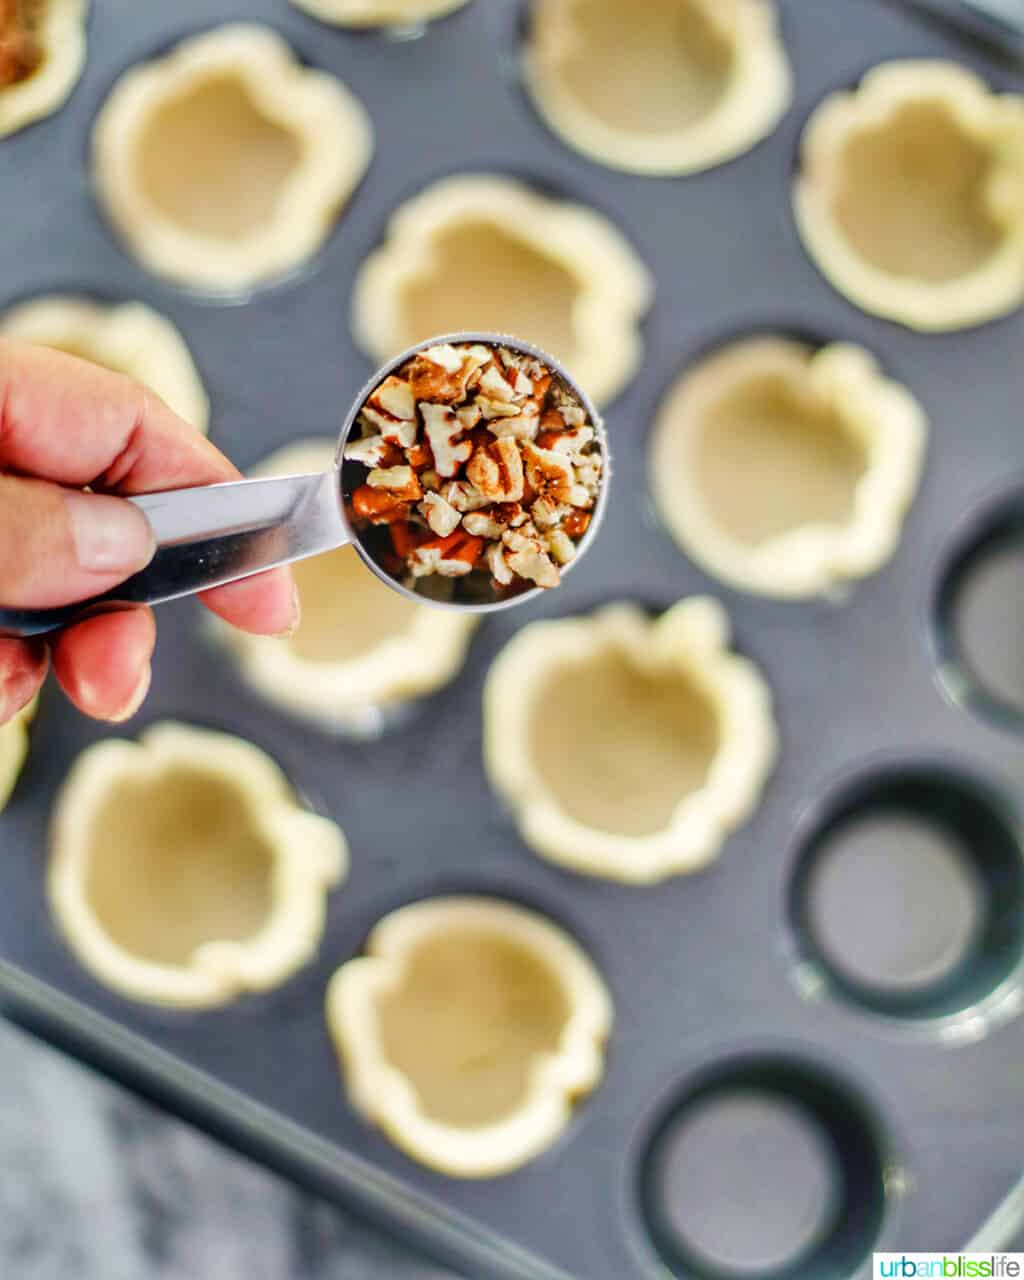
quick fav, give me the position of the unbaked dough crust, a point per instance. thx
(628, 747)
(378, 13)
(910, 196)
(135, 907)
(784, 470)
(47, 88)
(665, 87)
(225, 163)
(129, 338)
(485, 252)
(361, 648)
(468, 1030)
(14, 740)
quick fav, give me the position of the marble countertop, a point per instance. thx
(97, 1185)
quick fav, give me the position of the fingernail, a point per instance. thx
(110, 535)
(137, 699)
(293, 626)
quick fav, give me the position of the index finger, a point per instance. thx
(67, 420)
(76, 423)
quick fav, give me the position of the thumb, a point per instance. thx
(62, 545)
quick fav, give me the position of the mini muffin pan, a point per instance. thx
(818, 1040)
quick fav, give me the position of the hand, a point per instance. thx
(66, 424)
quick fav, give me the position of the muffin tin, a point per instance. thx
(877, 1078)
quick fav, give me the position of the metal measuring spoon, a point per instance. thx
(215, 534)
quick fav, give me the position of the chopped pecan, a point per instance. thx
(406, 537)
(576, 523)
(443, 429)
(497, 471)
(440, 515)
(441, 373)
(550, 474)
(451, 557)
(401, 482)
(527, 556)
(378, 506)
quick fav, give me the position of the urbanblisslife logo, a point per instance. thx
(949, 1266)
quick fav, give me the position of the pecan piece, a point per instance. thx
(497, 471)
(451, 557)
(443, 428)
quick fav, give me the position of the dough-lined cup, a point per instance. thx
(628, 747)
(785, 470)
(667, 87)
(361, 649)
(484, 252)
(378, 13)
(129, 338)
(910, 195)
(57, 31)
(225, 163)
(183, 869)
(467, 1031)
(14, 743)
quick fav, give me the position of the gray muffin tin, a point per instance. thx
(901, 1121)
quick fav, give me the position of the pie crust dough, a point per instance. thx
(786, 471)
(378, 13)
(13, 750)
(667, 87)
(226, 162)
(910, 197)
(129, 338)
(484, 252)
(626, 747)
(183, 869)
(360, 647)
(46, 89)
(467, 1031)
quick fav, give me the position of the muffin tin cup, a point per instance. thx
(700, 967)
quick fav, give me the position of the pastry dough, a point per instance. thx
(666, 87)
(626, 747)
(360, 647)
(910, 196)
(378, 13)
(784, 470)
(13, 749)
(184, 871)
(484, 252)
(226, 162)
(57, 28)
(129, 338)
(468, 1030)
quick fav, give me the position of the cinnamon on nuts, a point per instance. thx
(476, 464)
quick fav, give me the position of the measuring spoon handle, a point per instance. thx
(209, 536)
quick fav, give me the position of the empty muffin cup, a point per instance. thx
(786, 470)
(909, 195)
(481, 251)
(907, 899)
(764, 1166)
(676, 87)
(42, 52)
(184, 870)
(128, 338)
(628, 747)
(225, 163)
(978, 612)
(468, 1030)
